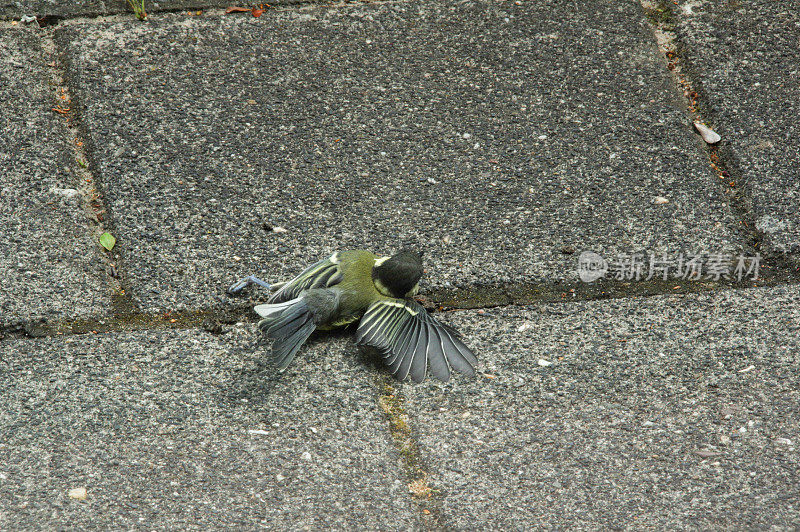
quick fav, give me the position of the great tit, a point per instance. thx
(353, 285)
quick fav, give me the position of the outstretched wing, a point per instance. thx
(323, 274)
(408, 338)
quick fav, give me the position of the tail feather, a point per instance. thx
(284, 350)
(289, 324)
(272, 310)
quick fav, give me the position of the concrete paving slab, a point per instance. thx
(745, 58)
(156, 426)
(664, 413)
(49, 266)
(502, 139)
(15, 9)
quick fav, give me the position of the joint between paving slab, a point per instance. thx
(527, 293)
(424, 494)
(433, 299)
(663, 16)
(728, 170)
(53, 19)
(213, 321)
(97, 217)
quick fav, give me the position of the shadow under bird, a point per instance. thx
(357, 285)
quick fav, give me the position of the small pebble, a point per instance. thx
(544, 363)
(279, 477)
(783, 441)
(306, 456)
(660, 200)
(78, 494)
(257, 431)
(708, 134)
(706, 454)
(66, 192)
(278, 229)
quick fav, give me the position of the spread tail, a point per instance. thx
(289, 324)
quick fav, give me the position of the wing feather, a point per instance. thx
(409, 340)
(419, 365)
(406, 337)
(371, 325)
(438, 357)
(397, 355)
(322, 274)
(420, 352)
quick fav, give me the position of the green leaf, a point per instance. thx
(107, 240)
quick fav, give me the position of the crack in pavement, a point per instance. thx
(85, 181)
(434, 300)
(425, 495)
(663, 16)
(49, 20)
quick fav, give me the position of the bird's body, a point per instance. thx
(357, 285)
(355, 291)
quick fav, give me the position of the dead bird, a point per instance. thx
(357, 285)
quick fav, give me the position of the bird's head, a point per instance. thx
(398, 276)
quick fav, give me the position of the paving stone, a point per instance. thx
(15, 9)
(91, 8)
(663, 413)
(49, 266)
(185, 430)
(492, 136)
(744, 56)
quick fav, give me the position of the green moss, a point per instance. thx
(393, 407)
(661, 16)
